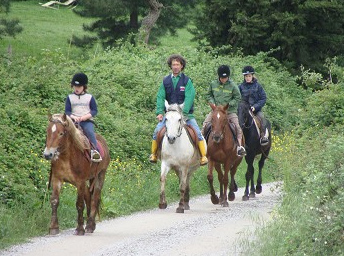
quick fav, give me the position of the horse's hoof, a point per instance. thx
(225, 204)
(54, 231)
(79, 232)
(186, 206)
(163, 206)
(259, 189)
(89, 230)
(231, 196)
(245, 198)
(215, 199)
(180, 210)
(252, 195)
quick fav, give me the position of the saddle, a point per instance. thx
(258, 124)
(207, 131)
(189, 131)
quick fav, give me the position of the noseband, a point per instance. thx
(181, 126)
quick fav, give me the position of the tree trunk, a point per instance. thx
(149, 21)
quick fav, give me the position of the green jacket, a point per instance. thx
(188, 101)
(221, 94)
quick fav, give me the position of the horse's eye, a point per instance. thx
(61, 134)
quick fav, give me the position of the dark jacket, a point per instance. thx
(254, 94)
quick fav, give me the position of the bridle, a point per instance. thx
(181, 124)
(222, 130)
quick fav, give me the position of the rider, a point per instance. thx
(177, 88)
(224, 91)
(82, 107)
(253, 93)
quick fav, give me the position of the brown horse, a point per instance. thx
(68, 149)
(222, 151)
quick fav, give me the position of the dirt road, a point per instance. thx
(206, 229)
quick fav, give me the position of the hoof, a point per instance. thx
(215, 199)
(54, 231)
(225, 204)
(259, 189)
(245, 198)
(186, 206)
(89, 230)
(252, 195)
(231, 196)
(79, 232)
(163, 206)
(179, 210)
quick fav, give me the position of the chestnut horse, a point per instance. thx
(68, 149)
(179, 153)
(253, 148)
(222, 152)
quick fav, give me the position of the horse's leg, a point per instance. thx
(214, 198)
(233, 186)
(226, 167)
(80, 208)
(164, 170)
(54, 202)
(187, 192)
(220, 178)
(182, 187)
(259, 179)
(87, 198)
(95, 201)
(248, 176)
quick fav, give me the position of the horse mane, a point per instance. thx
(76, 134)
(174, 107)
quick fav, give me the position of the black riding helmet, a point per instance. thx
(248, 70)
(223, 71)
(79, 79)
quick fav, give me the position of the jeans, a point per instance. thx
(88, 128)
(192, 122)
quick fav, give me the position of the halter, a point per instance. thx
(181, 126)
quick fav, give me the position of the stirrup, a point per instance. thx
(264, 141)
(95, 156)
(241, 151)
(204, 160)
(153, 159)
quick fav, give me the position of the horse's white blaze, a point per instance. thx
(218, 115)
(53, 128)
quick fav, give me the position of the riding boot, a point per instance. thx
(241, 151)
(264, 140)
(153, 157)
(203, 151)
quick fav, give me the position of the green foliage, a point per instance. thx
(305, 32)
(8, 27)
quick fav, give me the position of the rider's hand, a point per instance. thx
(159, 117)
(253, 109)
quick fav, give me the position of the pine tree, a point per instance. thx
(8, 27)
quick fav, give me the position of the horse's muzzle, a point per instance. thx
(171, 140)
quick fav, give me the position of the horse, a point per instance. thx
(69, 152)
(178, 152)
(253, 148)
(222, 154)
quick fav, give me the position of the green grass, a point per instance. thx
(43, 28)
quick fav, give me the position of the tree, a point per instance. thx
(117, 19)
(304, 31)
(8, 27)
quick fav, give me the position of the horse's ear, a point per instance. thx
(181, 106)
(64, 117)
(166, 104)
(226, 107)
(212, 105)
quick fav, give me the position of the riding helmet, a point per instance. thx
(248, 70)
(79, 79)
(223, 71)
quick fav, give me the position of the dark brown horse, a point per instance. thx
(253, 148)
(68, 149)
(222, 151)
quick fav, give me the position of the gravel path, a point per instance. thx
(205, 230)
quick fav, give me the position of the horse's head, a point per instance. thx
(219, 121)
(244, 114)
(174, 121)
(56, 131)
